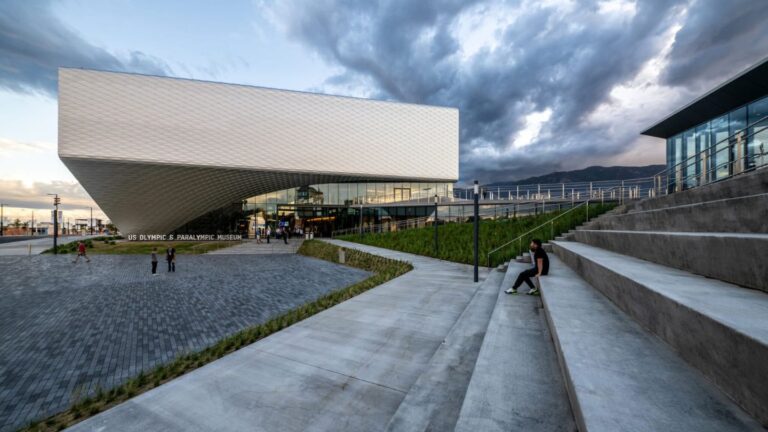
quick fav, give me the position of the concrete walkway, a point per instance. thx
(344, 369)
(251, 247)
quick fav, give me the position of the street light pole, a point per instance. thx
(2, 218)
(56, 202)
(91, 221)
(477, 227)
(437, 199)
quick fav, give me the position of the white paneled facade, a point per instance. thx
(156, 152)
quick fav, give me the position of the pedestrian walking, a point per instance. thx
(540, 268)
(269, 233)
(170, 256)
(81, 253)
(285, 235)
(154, 261)
(258, 235)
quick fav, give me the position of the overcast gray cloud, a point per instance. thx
(34, 43)
(559, 58)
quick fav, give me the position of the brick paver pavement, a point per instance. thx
(67, 329)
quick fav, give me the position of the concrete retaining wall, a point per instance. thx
(746, 184)
(748, 214)
(738, 259)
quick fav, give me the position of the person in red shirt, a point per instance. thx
(81, 253)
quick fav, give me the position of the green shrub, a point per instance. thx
(456, 240)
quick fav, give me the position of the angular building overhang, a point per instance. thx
(156, 152)
(742, 89)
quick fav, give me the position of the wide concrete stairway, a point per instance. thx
(659, 312)
(496, 370)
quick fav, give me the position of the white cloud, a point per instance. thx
(534, 122)
(9, 147)
(21, 199)
(617, 7)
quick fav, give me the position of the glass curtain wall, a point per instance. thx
(342, 194)
(726, 145)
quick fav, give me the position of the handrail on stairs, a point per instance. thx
(551, 223)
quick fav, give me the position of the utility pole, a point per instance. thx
(477, 227)
(437, 199)
(2, 218)
(91, 222)
(56, 202)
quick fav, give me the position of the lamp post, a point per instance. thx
(91, 221)
(477, 226)
(2, 218)
(56, 202)
(437, 199)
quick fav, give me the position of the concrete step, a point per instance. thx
(524, 259)
(738, 258)
(738, 214)
(619, 376)
(516, 384)
(719, 328)
(434, 400)
(744, 184)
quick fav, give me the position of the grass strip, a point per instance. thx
(455, 240)
(383, 270)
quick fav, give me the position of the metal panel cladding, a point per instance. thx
(157, 152)
(129, 117)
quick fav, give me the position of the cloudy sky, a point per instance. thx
(542, 85)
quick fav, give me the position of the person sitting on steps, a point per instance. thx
(540, 268)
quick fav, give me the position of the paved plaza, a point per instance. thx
(346, 368)
(66, 329)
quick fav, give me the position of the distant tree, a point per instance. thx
(17, 223)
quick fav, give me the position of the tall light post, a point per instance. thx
(91, 221)
(437, 200)
(477, 227)
(2, 219)
(56, 202)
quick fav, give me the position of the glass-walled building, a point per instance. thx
(723, 146)
(723, 133)
(323, 208)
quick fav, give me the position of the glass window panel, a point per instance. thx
(737, 122)
(333, 194)
(677, 183)
(689, 165)
(758, 140)
(718, 136)
(389, 192)
(370, 192)
(343, 193)
(702, 144)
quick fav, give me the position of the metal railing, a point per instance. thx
(550, 222)
(702, 167)
(576, 191)
(486, 212)
(620, 193)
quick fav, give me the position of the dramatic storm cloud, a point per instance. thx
(34, 43)
(541, 85)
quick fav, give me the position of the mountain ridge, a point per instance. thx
(591, 173)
